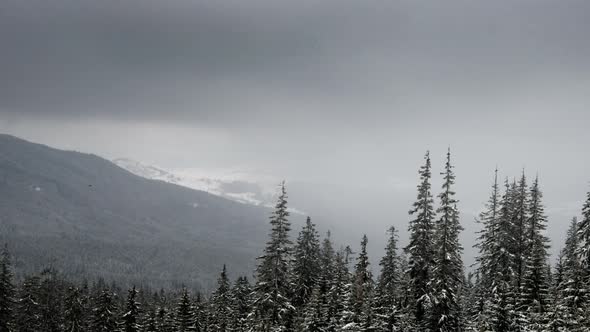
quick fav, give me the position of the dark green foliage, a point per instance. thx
(185, 317)
(420, 249)
(75, 310)
(447, 272)
(130, 317)
(104, 319)
(272, 305)
(7, 292)
(306, 266)
(221, 304)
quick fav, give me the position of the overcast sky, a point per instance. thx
(327, 94)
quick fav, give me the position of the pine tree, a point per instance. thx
(104, 313)
(387, 297)
(339, 292)
(184, 314)
(51, 292)
(75, 311)
(584, 240)
(6, 292)
(488, 242)
(360, 305)
(533, 300)
(272, 306)
(131, 315)
(500, 312)
(447, 274)
(520, 247)
(314, 317)
(306, 264)
(241, 301)
(420, 249)
(221, 304)
(28, 311)
(151, 320)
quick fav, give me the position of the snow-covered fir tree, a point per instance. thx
(104, 319)
(360, 316)
(221, 304)
(75, 310)
(7, 292)
(185, 316)
(420, 249)
(131, 315)
(306, 264)
(533, 302)
(387, 303)
(339, 291)
(241, 302)
(447, 272)
(272, 306)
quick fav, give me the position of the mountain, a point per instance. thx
(90, 217)
(239, 186)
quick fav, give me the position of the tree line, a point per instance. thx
(309, 285)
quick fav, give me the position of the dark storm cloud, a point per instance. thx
(217, 61)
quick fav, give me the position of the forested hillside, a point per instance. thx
(305, 283)
(88, 218)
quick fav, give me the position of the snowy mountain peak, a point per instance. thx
(230, 184)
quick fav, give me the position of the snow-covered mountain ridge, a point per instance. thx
(243, 187)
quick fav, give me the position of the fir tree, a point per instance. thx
(500, 312)
(339, 292)
(447, 274)
(221, 304)
(584, 240)
(28, 313)
(240, 304)
(151, 320)
(6, 292)
(420, 249)
(520, 246)
(306, 264)
(184, 314)
(130, 317)
(534, 290)
(387, 298)
(361, 314)
(104, 313)
(75, 311)
(272, 306)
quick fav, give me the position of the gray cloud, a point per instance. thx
(353, 91)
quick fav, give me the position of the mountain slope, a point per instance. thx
(91, 217)
(231, 184)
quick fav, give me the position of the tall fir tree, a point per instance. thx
(75, 310)
(447, 273)
(104, 319)
(241, 301)
(306, 264)
(487, 245)
(420, 249)
(500, 312)
(272, 305)
(185, 316)
(131, 315)
(7, 292)
(387, 304)
(361, 317)
(584, 239)
(534, 302)
(221, 304)
(520, 247)
(339, 292)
